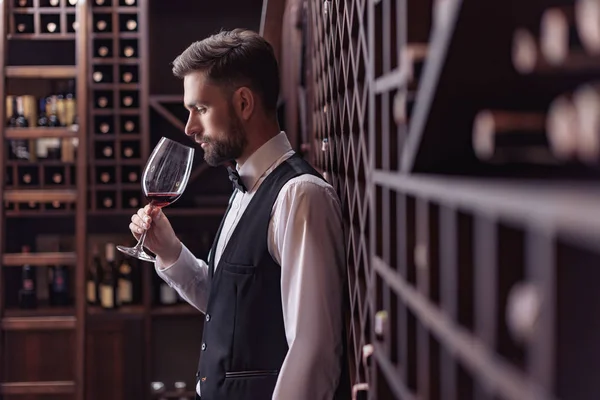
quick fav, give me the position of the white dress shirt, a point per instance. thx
(305, 237)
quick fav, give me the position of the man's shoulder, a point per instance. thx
(308, 186)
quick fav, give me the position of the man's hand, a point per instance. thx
(160, 239)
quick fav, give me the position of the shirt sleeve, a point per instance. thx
(189, 276)
(306, 238)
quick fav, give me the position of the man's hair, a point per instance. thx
(234, 58)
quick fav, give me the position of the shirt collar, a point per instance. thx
(263, 158)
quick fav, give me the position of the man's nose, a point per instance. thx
(192, 127)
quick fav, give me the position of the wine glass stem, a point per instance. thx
(140, 243)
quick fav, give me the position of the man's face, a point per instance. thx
(212, 121)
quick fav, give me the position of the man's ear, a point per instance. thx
(244, 102)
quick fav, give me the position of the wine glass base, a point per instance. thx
(137, 252)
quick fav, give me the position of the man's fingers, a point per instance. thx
(135, 229)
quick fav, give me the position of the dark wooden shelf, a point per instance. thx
(133, 310)
(570, 209)
(100, 137)
(42, 310)
(43, 163)
(111, 112)
(119, 9)
(24, 388)
(175, 395)
(38, 323)
(41, 36)
(33, 10)
(37, 132)
(40, 195)
(42, 71)
(110, 35)
(112, 163)
(118, 60)
(183, 309)
(115, 85)
(122, 186)
(40, 213)
(38, 259)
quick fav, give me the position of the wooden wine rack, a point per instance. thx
(45, 187)
(118, 71)
(468, 279)
(43, 19)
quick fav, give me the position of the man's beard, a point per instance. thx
(226, 149)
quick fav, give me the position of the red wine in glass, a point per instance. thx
(160, 200)
(165, 177)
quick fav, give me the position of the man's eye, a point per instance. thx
(201, 110)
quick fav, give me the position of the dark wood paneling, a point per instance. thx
(175, 349)
(31, 356)
(115, 359)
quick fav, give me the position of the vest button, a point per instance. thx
(207, 317)
(203, 346)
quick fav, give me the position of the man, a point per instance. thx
(272, 289)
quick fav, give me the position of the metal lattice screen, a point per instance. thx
(462, 285)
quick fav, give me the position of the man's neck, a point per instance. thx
(257, 139)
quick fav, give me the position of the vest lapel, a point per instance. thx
(211, 258)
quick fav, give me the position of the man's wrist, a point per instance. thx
(171, 254)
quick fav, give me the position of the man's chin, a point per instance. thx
(213, 161)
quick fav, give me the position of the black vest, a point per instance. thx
(244, 342)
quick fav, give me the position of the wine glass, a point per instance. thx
(165, 177)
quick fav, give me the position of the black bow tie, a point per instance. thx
(234, 177)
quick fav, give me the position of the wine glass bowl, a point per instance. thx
(165, 177)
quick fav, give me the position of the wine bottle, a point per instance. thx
(131, 25)
(105, 177)
(97, 76)
(42, 118)
(51, 27)
(180, 387)
(129, 126)
(511, 137)
(103, 51)
(103, 124)
(107, 201)
(168, 295)
(101, 25)
(107, 151)
(108, 290)
(128, 51)
(21, 121)
(59, 285)
(19, 147)
(133, 202)
(125, 283)
(70, 104)
(53, 120)
(93, 275)
(130, 175)
(27, 293)
(12, 110)
(102, 101)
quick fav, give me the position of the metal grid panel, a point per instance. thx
(460, 288)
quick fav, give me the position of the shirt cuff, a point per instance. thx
(181, 272)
